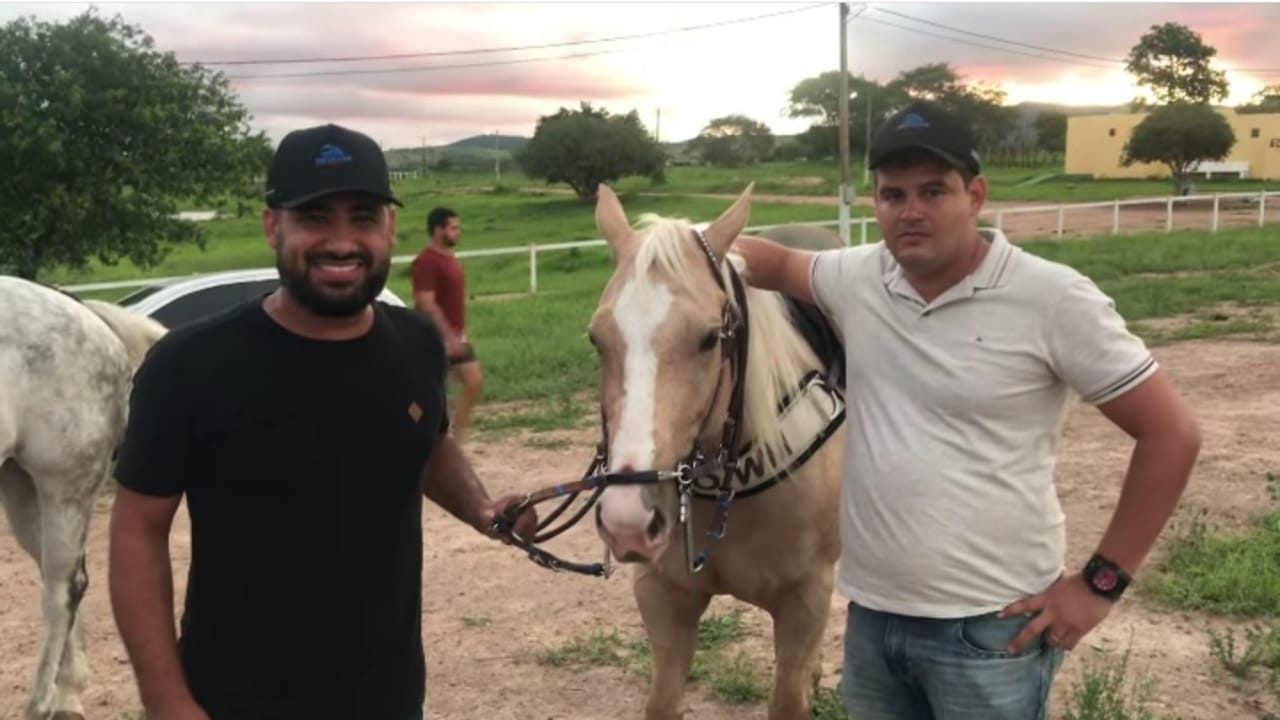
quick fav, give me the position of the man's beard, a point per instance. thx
(297, 281)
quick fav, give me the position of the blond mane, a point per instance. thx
(777, 355)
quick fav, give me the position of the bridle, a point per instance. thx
(696, 464)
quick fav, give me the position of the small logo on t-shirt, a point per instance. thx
(415, 411)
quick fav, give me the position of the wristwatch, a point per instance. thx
(1105, 578)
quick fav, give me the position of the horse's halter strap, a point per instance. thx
(734, 337)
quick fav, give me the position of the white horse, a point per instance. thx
(66, 368)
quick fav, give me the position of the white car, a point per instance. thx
(178, 302)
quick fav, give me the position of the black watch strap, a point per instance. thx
(1105, 578)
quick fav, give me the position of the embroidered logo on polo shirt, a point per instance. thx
(415, 411)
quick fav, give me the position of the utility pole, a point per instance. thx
(866, 149)
(657, 131)
(497, 160)
(424, 156)
(846, 192)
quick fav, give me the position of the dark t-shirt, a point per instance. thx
(301, 462)
(442, 273)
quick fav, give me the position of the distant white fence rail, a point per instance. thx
(1208, 212)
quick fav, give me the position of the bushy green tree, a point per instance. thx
(102, 136)
(1180, 136)
(733, 140)
(1172, 61)
(585, 147)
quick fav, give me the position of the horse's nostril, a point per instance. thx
(656, 525)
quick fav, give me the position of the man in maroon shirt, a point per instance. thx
(440, 292)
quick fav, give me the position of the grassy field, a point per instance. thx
(1047, 183)
(1151, 276)
(489, 220)
(534, 347)
(519, 211)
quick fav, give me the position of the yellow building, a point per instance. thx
(1094, 144)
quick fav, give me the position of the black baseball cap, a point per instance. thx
(326, 159)
(927, 126)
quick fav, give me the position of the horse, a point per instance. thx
(748, 423)
(66, 369)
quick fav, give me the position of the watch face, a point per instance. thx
(1105, 579)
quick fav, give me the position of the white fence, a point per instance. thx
(1024, 222)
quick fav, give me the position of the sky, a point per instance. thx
(692, 61)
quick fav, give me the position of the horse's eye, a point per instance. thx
(709, 341)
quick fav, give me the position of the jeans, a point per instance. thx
(907, 668)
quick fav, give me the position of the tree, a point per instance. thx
(101, 136)
(1172, 61)
(1051, 131)
(1180, 136)
(1266, 100)
(586, 147)
(818, 97)
(978, 105)
(733, 140)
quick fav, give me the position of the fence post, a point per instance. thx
(1000, 220)
(863, 222)
(1216, 199)
(1262, 207)
(533, 268)
(1115, 218)
(1168, 215)
(1062, 219)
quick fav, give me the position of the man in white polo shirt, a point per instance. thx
(963, 353)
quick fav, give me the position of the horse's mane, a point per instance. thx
(137, 331)
(777, 355)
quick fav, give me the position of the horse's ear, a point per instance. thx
(721, 233)
(612, 222)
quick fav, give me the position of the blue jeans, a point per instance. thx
(907, 668)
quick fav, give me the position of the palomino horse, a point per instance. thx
(65, 368)
(670, 333)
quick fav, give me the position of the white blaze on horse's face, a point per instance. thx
(638, 321)
(657, 330)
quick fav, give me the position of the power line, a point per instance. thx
(998, 39)
(982, 45)
(431, 68)
(1025, 45)
(512, 48)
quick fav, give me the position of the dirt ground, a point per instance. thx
(489, 612)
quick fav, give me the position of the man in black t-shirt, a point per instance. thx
(303, 429)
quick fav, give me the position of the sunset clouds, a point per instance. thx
(689, 77)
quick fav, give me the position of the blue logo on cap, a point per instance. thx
(912, 120)
(332, 155)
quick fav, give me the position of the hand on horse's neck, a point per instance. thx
(297, 319)
(930, 287)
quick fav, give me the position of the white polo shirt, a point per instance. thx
(954, 407)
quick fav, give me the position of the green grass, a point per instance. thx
(1110, 690)
(827, 704)
(533, 348)
(1067, 189)
(733, 678)
(562, 412)
(1231, 574)
(1258, 651)
(489, 220)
